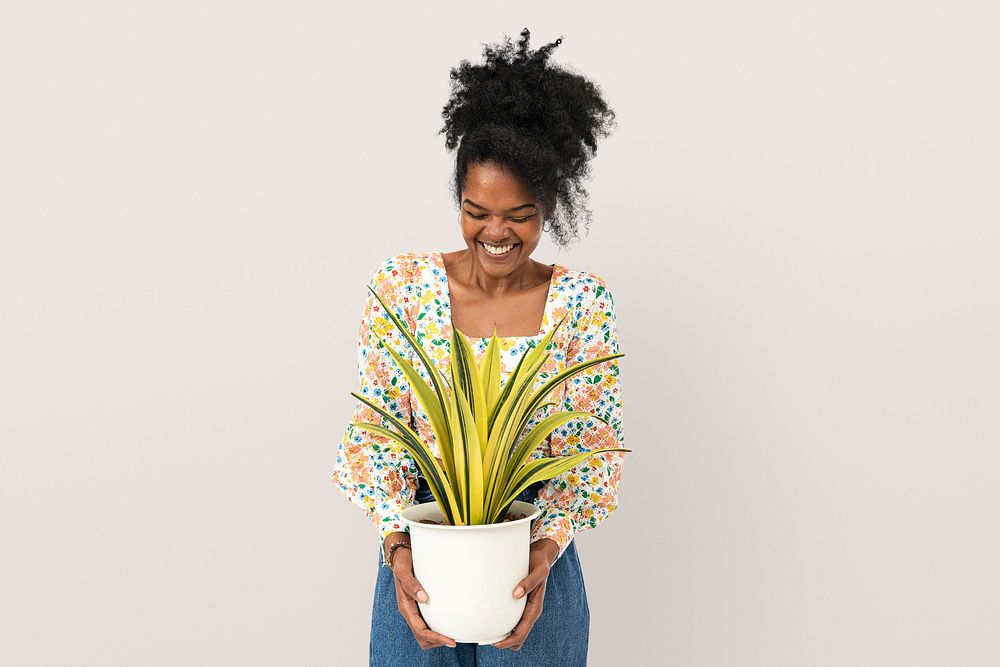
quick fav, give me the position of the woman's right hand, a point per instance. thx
(408, 591)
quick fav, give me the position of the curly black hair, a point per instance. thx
(539, 120)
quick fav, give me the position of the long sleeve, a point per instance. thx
(586, 494)
(373, 471)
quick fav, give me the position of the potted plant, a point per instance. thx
(470, 546)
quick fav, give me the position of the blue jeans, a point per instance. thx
(559, 637)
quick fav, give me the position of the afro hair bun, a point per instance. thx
(538, 119)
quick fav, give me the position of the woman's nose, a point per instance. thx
(495, 226)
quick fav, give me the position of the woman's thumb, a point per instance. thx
(417, 590)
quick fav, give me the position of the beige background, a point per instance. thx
(797, 216)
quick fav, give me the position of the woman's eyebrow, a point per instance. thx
(510, 210)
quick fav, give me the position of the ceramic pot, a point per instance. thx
(470, 572)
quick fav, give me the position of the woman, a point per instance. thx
(525, 130)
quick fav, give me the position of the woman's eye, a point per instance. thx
(483, 217)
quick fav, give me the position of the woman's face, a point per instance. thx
(498, 209)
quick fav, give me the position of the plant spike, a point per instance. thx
(490, 371)
(419, 451)
(471, 382)
(437, 411)
(546, 468)
(534, 403)
(477, 423)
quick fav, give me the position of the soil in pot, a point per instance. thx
(509, 517)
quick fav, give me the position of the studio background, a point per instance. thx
(797, 215)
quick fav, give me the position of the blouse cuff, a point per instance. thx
(554, 524)
(388, 522)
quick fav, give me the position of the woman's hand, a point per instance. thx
(541, 555)
(408, 591)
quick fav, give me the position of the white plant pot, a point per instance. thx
(470, 572)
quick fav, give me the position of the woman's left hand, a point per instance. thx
(540, 556)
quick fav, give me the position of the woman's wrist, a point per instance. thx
(549, 547)
(395, 541)
(391, 538)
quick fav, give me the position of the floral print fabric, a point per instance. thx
(380, 477)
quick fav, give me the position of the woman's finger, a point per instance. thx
(532, 610)
(538, 574)
(425, 637)
(408, 591)
(407, 579)
(516, 638)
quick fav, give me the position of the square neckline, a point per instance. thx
(546, 311)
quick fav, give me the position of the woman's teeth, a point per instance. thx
(498, 250)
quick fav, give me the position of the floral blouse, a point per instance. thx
(380, 477)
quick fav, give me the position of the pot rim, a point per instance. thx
(534, 514)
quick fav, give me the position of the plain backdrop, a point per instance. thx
(797, 215)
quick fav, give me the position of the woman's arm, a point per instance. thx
(375, 472)
(586, 494)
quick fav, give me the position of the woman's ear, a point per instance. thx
(548, 208)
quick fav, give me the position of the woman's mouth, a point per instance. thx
(498, 252)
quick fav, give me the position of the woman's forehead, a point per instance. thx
(494, 186)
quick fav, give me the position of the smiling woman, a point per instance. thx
(525, 130)
(494, 279)
(538, 120)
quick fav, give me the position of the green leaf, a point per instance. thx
(478, 424)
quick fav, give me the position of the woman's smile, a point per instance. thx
(492, 253)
